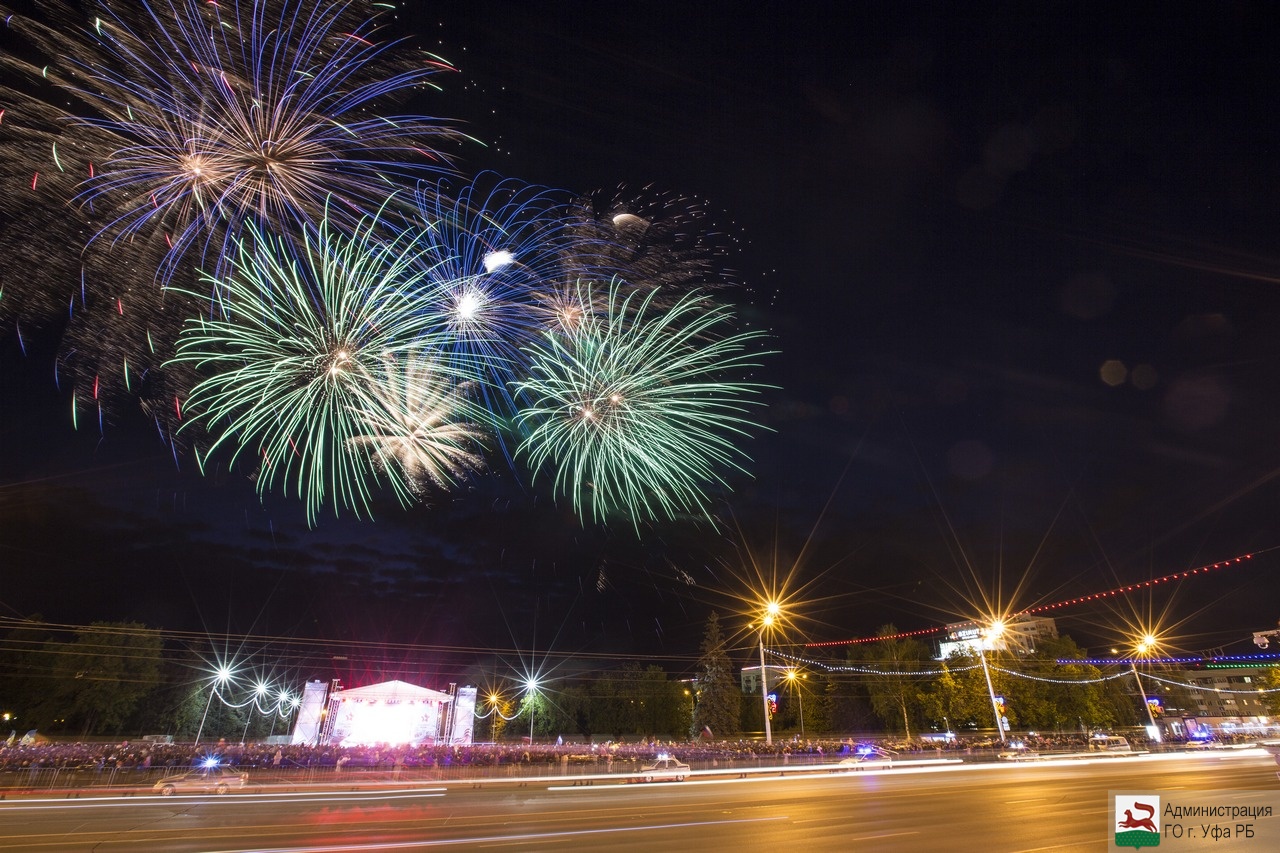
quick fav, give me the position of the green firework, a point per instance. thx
(289, 354)
(639, 406)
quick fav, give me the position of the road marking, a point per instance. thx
(497, 839)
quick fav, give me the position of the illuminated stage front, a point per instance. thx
(393, 712)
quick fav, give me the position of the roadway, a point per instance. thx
(1049, 806)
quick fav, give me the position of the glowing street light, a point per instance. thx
(259, 690)
(772, 610)
(494, 700)
(990, 635)
(222, 676)
(1145, 646)
(531, 691)
(795, 685)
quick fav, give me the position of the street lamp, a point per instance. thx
(1146, 646)
(795, 686)
(531, 689)
(283, 700)
(771, 612)
(222, 676)
(259, 690)
(993, 632)
(494, 699)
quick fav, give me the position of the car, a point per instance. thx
(866, 756)
(1018, 751)
(202, 780)
(665, 769)
(1109, 743)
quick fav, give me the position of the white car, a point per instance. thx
(866, 756)
(204, 780)
(665, 769)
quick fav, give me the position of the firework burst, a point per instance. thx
(490, 255)
(637, 409)
(290, 356)
(214, 113)
(417, 420)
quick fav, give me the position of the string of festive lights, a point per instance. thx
(284, 704)
(867, 670)
(1198, 659)
(1187, 685)
(1043, 608)
(493, 709)
(1030, 677)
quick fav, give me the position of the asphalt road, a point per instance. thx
(1059, 806)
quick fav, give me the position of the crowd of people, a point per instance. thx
(146, 755)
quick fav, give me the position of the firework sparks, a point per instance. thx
(211, 113)
(289, 358)
(637, 409)
(418, 419)
(490, 254)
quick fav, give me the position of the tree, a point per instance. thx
(719, 695)
(894, 692)
(100, 676)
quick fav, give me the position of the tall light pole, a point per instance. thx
(531, 688)
(771, 611)
(494, 699)
(259, 690)
(1145, 646)
(222, 676)
(799, 691)
(990, 635)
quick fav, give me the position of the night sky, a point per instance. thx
(1018, 263)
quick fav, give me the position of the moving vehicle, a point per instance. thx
(1109, 743)
(665, 769)
(866, 756)
(1018, 751)
(203, 780)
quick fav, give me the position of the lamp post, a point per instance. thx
(531, 689)
(993, 633)
(1145, 646)
(282, 700)
(259, 690)
(771, 611)
(222, 676)
(795, 685)
(494, 699)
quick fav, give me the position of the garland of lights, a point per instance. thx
(1189, 686)
(278, 708)
(1120, 590)
(834, 668)
(1061, 662)
(1060, 680)
(494, 710)
(1201, 659)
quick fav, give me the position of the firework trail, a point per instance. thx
(289, 360)
(648, 241)
(637, 409)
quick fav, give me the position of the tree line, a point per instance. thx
(118, 678)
